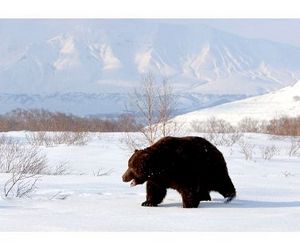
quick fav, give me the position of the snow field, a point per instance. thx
(267, 193)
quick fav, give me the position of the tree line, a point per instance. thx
(44, 120)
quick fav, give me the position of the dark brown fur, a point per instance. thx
(190, 165)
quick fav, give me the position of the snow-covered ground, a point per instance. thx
(268, 193)
(283, 102)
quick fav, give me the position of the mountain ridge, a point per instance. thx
(101, 104)
(85, 57)
(110, 56)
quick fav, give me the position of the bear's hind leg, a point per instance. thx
(155, 194)
(204, 196)
(190, 199)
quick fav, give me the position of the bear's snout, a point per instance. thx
(124, 178)
(127, 176)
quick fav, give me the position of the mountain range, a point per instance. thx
(90, 66)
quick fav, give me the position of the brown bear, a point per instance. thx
(190, 165)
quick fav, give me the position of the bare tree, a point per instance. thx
(147, 107)
(155, 105)
(166, 109)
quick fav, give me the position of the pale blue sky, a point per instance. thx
(279, 30)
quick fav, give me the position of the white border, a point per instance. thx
(135, 241)
(149, 9)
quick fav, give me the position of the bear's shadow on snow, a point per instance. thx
(219, 203)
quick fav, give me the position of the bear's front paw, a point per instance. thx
(148, 204)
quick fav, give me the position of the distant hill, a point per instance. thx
(283, 102)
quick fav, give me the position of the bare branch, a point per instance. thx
(155, 105)
(24, 164)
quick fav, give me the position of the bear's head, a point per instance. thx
(138, 168)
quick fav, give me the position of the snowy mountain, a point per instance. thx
(43, 57)
(283, 102)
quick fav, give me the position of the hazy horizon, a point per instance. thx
(278, 30)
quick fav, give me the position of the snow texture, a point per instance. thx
(268, 194)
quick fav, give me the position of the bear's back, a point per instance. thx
(189, 152)
(187, 142)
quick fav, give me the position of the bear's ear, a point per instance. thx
(136, 150)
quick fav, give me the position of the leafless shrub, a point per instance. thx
(263, 125)
(218, 131)
(294, 146)
(132, 141)
(57, 138)
(198, 126)
(8, 151)
(268, 152)
(247, 149)
(128, 123)
(59, 196)
(234, 137)
(38, 139)
(100, 172)
(25, 164)
(218, 126)
(68, 138)
(77, 138)
(62, 168)
(285, 126)
(249, 125)
(225, 139)
(214, 129)
(288, 174)
(3, 140)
